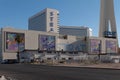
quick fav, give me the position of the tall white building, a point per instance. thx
(46, 20)
(75, 31)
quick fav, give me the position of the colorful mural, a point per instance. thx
(46, 42)
(11, 43)
(95, 46)
(110, 46)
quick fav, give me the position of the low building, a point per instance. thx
(30, 40)
(47, 41)
(80, 31)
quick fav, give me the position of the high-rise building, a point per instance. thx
(46, 20)
(107, 27)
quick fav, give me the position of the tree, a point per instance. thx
(19, 40)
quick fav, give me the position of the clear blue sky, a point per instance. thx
(15, 13)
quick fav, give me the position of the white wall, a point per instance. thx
(63, 43)
(31, 41)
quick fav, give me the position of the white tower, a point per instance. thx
(107, 27)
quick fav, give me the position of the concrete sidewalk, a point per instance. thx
(99, 65)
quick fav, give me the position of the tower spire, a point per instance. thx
(107, 26)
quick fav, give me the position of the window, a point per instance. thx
(51, 13)
(51, 24)
(63, 37)
(51, 29)
(51, 18)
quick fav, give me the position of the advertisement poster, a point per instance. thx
(46, 42)
(95, 46)
(11, 43)
(110, 46)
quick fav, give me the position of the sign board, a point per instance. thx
(109, 34)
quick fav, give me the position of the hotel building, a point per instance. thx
(46, 20)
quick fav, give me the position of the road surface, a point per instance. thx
(41, 72)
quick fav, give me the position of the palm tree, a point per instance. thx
(18, 39)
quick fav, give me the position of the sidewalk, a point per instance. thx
(100, 65)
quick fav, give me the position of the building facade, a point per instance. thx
(75, 31)
(99, 45)
(46, 20)
(32, 40)
(47, 41)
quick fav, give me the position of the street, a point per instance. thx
(41, 72)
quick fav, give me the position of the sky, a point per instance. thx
(15, 13)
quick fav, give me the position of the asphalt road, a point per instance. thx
(40, 72)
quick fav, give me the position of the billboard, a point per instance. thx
(109, 34)
(111, 46)
(46, 42)
(11, 44)
(95, 46)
